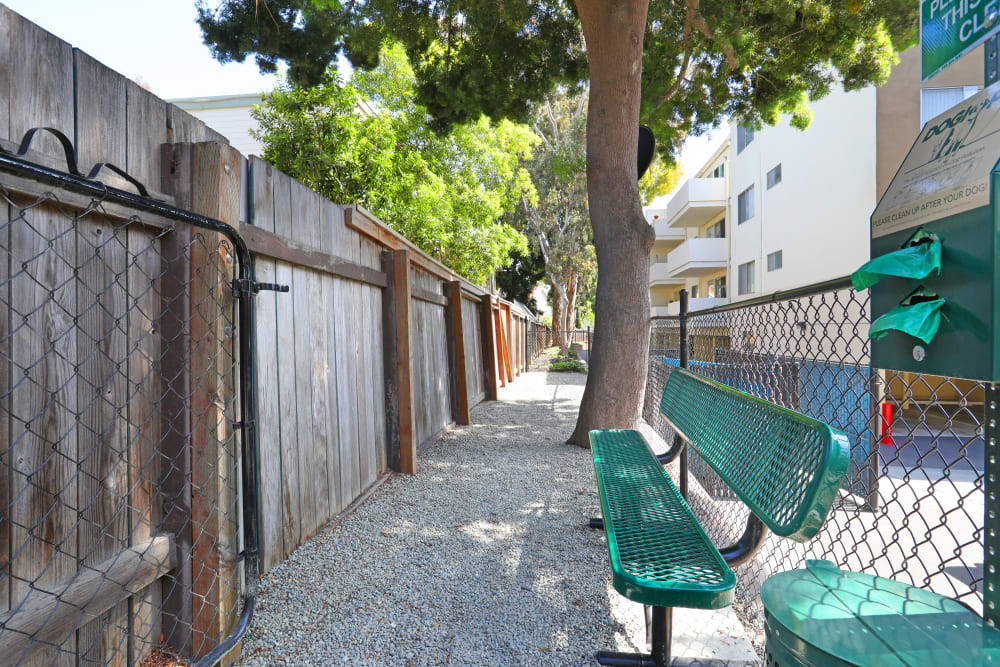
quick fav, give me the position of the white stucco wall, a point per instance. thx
(234, 124)
(818, 215)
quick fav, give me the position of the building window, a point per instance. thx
(744, 135)
(744, 206)
(935, 101)
(694, 291)
(774, 261)
(720, 171)
(716, 231)
(745, 278)
(774, 177)
(717, 288)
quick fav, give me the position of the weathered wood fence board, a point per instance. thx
(473, 350)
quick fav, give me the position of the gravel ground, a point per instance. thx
(482, 557)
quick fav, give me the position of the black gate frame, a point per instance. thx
(245, 286)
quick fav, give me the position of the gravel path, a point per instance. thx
(482, 557)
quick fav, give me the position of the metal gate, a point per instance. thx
(128, 443)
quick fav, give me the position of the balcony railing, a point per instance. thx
(659, 275)
(674, 308)
(696, 257)
(696, 202)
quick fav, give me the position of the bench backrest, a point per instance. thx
(785, 466)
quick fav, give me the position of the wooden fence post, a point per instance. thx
(401, 424)
(490, 360)
(456, 340)
(207, 180)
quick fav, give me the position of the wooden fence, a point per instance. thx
(376, 350)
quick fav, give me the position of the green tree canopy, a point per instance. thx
(703, 61)
(519, 278)
(558, 221)
(446, 193)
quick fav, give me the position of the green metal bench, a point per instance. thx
(784, 466)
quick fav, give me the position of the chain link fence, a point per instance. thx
(541, 338)
(912, 504)
(122, 403)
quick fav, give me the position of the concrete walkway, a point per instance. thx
(481, 558)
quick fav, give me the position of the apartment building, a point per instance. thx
(691, 250)
(797, 204)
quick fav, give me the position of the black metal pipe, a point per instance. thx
(749, 543)
(247, 344)
(662, 632)
(227, 644)
(684, 353)
(675, 449)
(785, 295)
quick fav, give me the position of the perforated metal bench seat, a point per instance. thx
(786, 467)
(659, 553)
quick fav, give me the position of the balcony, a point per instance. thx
(696, 257)
(673, 309)
(664, 232)
(696, 202)
(659, 275)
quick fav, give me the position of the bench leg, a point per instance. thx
(596, 523)
(660, 657)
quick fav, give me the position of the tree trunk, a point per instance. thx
(558, 318)
(572, 284)
(622, 237)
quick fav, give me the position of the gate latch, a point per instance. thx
(246, 286)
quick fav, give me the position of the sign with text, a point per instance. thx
(951, 28)
(948, 168)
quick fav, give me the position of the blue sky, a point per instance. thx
(153, 40)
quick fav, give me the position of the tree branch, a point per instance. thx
(703, 27)
(691, 9)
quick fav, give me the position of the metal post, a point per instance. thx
(683, 474)
(991, 60)
(991, 522)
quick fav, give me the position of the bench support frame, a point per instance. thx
(662, 632)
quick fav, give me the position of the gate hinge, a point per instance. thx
(243, 286)
(239, 426)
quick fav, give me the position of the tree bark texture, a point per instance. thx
(571, 291)
(622, 237)
(559, 318)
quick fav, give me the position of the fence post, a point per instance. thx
(207, 180)
(174, 483)
(683, 473)
(490, 362)
(991, 521)
(456, 338)
(398, 362)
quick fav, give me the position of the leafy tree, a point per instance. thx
(705, 60)
(661, 178)
(558, 223)
(446, 193)
(519, 278)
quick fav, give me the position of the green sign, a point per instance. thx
(951, 28)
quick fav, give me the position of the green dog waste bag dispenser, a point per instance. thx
(935, 246)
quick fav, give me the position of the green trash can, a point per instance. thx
(822, 615)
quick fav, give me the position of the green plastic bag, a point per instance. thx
(915, 261)
(920, 320)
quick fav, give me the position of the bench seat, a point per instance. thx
(660, 555)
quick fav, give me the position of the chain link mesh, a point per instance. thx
(912, 504)
(120, 526)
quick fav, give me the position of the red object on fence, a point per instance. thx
(886, 424)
